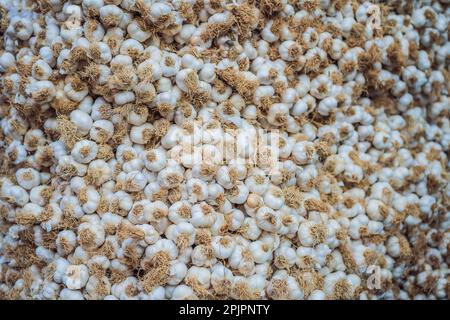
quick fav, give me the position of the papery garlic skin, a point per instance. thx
(216, 150)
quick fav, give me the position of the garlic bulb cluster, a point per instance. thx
(214, 149)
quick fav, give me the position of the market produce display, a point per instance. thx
(216, 149)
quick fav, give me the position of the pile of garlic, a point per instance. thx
(128, 129)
